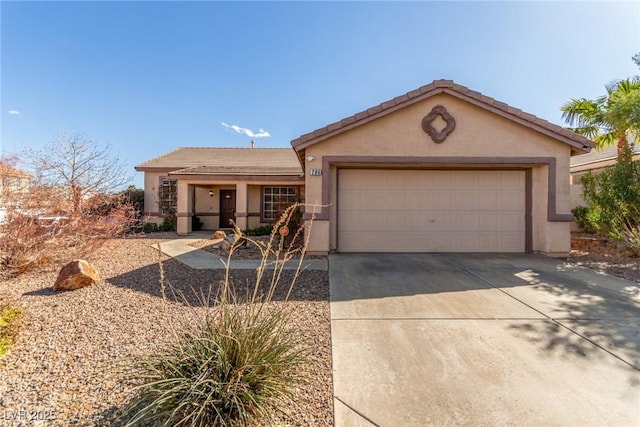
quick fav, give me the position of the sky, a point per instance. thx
(147, 77)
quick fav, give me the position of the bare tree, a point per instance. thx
(77, 164)
(71, 207)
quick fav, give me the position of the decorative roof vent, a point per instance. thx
(427, 124)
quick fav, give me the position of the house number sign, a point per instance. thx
(315, 172)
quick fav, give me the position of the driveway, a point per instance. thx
(457, 339)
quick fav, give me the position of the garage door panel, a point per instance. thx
(443, 199)
(512, 201)
(431, 211)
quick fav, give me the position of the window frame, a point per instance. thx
(161, 198)
(295, 196)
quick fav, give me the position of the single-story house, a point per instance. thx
(439, 169)
(595, 162)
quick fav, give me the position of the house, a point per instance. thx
(13, 183)
(439, 169)
(12, 180)
(595, 161)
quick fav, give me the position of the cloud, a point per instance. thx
(14, 112)
(260, 134)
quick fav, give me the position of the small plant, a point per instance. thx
(263, 230)
(169, 222)
(9, 323)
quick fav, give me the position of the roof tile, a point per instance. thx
(254, 161)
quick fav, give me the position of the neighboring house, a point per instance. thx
(439, 169)
(595, 161)
(13, 182)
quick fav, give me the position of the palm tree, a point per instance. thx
(609, 119)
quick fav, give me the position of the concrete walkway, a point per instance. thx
(198, 259)
(456, 339)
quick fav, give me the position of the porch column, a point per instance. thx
(242, 205)
(185, 202)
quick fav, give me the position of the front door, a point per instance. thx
(227, 207)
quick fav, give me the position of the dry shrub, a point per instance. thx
(40, 230)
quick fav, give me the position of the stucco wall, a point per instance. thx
(478, 133)
(151, 184)
(207, 208)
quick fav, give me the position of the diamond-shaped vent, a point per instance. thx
(427, 124)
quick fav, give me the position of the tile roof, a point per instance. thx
(6, 170)
(240, 170)
(578, 143)
(597, 155)
(226, 161)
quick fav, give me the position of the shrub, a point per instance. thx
(630, 233)
(612, 198)
(233, 365)
(580, 214)
(168, 223)
(145, 227)
(263, 230)
(41, 228)
(9, 323)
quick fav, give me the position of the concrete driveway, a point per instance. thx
(456, 339)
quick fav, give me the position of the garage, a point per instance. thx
(441, 168)
(396, 210)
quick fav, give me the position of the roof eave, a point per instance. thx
(579, 144)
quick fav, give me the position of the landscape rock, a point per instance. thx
(219, 235)
(75, 275)
(225, 245)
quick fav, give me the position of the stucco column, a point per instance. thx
(185, 202)
(242, 205)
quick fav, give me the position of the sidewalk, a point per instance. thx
(199, 259)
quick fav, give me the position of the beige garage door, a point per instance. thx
(431, 211)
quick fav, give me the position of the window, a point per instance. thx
(168, 196)
(275, 200)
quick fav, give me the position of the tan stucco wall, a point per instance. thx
(151, 184)
(478, 133)
(207, 208)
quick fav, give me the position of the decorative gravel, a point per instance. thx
(63, 370)
(619, 266)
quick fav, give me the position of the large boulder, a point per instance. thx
(75, 275)
(219, 235)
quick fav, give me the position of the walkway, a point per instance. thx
(198, 259)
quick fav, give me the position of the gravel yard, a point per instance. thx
(624, 267)
(63, 366)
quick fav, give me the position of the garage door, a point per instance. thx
(431, 211)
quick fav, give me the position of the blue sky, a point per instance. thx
(147, 77)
